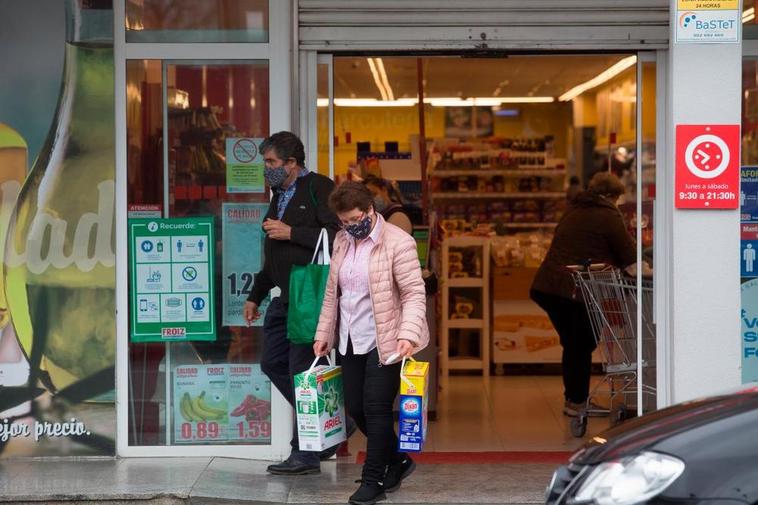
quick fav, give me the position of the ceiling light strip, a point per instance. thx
(599, 79)
(384, 79)
(436, 102)
(748, 15)
(377, 79)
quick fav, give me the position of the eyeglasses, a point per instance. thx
(352, 221)
(271, 162)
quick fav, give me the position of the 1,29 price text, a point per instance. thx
(245, 278)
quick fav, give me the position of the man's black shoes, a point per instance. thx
(291, 466)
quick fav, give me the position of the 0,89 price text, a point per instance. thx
(200, 431)
(707, 195)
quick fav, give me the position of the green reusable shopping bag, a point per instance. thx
(307, 286)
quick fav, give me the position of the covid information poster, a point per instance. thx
(171, 279)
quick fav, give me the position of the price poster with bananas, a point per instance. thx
(201, 404)
(221, 403)
(171, 281)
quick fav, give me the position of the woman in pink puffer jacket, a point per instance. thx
(374, 313)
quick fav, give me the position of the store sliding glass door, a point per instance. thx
(198, 100)
(487, 147)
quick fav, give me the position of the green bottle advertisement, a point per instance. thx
(59, 260)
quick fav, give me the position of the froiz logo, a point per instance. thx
(687, 18)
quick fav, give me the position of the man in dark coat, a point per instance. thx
(298, 212)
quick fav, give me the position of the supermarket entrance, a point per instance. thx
(484, 156)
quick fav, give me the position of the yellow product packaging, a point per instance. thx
(414, 403)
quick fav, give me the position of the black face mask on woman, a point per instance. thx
(361, 229)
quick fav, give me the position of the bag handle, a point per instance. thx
(402, 376)
(313, 365)
(321, 253)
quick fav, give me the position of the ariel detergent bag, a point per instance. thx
(414, 403)
(320, 408)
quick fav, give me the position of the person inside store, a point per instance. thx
(298, 211)
(388, 202)
(374, 313)
(574, 188)
(593, 229)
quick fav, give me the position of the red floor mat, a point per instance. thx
(473, 458)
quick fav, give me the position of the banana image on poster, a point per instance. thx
(194, 409)
(201, 404)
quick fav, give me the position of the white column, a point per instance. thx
(702, 271)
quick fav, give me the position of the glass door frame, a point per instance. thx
(277, 53)
(309, 60)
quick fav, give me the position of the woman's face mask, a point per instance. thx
(361, 229)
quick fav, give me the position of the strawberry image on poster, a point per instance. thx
(253, 409)
(249, 404)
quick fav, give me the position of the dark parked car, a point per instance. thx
(704, 451)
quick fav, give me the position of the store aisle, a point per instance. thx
(501, 414)
(522, 413)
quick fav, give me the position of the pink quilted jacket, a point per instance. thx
(397, 292)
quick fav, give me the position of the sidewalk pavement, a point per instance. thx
(170, 481)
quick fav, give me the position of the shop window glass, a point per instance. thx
(199, 392)
(197, 21)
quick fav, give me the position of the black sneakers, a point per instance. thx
(368, 494)
(397, 472)
(291, 466)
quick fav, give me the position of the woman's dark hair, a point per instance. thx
(607, 184)
(350, 195)
(391, 189)
(286, 145)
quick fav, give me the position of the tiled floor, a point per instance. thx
(222, 480)
(515, 413)
(474, 415)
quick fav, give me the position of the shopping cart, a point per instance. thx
(611, 301)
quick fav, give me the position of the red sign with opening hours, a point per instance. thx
(707, 167)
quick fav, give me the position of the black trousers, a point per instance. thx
(370, 391)
(281, 361)
(573, 325)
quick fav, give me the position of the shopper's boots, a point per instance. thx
(368, 494)
(398, 471)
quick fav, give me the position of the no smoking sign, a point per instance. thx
(707, 166)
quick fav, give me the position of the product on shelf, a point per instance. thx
(483, 186)
(521, 249)
(462, 307)
(537, 343)
(465, 262)
(515, 322)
